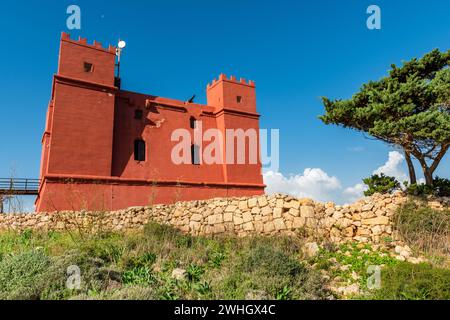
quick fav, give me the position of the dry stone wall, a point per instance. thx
(368, 220)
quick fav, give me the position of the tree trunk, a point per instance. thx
(412, 171)
(428, 176)
(427, 172)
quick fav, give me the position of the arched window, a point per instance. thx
(139, 150)
(195, 154)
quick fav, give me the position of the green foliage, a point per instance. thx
(194, 272)
(356, 257)
(406, 281)
(138, 275)
(21, 276)
(136, 292)
(380, 184)
(203, 288)
(107, 247)
(440, 188)
(409, 108)
(145, 260)
(216, 258)
(139, 265)
(424, 228)
(272, 270)
(284, 293)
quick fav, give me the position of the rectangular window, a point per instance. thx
(239, 99)
(138, 114)
(139, 150)
(195, 154)
(88, 67)
(192, 123)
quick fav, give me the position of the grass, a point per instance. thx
(424, 229)
(139, 265)
(406, 281)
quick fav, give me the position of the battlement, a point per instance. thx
(232, 79)
(83, 41)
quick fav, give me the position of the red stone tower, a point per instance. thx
(89, 155)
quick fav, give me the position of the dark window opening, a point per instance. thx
(193, 123)
(138, 113)
(88, 67)
(139, 150)
(239, 99)
(195, 154)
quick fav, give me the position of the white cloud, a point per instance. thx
(393, 167)
(317, 184)
(354, 193)
(313, 183)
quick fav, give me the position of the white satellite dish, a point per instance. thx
(121, 44)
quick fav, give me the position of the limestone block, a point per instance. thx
(247, 216)
(269, 227)
(306, 211)
(295, 204)
(279, 224)
(266, 211)
(196, 217)
(252, 202)
(299, 222)
(294, 212)
(378, 220)
(277, 212)
(243, 205)
(256, 210)
(279, 203)
(228, 217)
(248, 226)
(262, 201)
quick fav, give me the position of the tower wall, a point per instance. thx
(81, 133)
(235, 105)
(88, 157)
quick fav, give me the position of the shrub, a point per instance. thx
(406, 281)
(423, 227)
(107, 247)
(194, 272)
(94, 275)
(134, 293)
(267, 266)
(380, 184)
(22, 275)
(440, 188)
(145, 260)
(138, 275)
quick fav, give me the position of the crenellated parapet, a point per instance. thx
(232, 79)
(83, 41)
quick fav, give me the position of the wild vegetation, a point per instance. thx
(381, 183)
(159, 262)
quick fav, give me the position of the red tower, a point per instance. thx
(105, 148)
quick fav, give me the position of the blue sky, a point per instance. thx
(296, 51)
